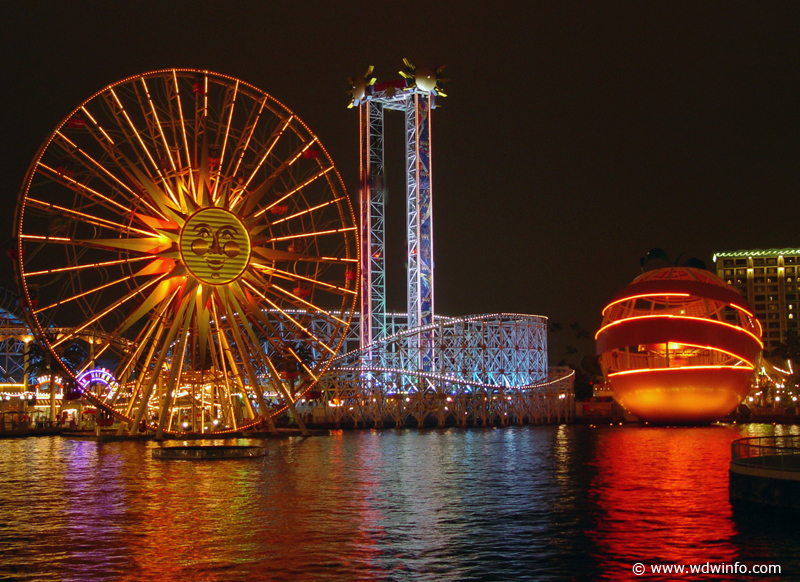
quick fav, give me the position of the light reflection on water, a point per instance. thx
(530, 503)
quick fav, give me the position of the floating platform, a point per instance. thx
(210, 452)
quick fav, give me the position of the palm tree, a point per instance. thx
(42, 363)
(789, 349)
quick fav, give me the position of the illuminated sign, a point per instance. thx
(215, 246)
(91, 378)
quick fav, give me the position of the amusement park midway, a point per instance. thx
(399, 292)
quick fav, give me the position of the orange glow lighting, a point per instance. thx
(317, 233)
(713, 349)
(91, 266)
(684, 368)
(713, 321)
(643, 295)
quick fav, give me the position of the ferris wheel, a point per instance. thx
(194, 236)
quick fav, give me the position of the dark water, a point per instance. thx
(531, 503)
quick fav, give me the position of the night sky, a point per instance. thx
(575, 137)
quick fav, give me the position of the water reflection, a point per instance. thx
(662, 494)
(532, 503)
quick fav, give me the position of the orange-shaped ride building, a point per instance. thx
(678, 345)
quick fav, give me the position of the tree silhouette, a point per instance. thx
(42, 363)
(789, 349)
(660, 254)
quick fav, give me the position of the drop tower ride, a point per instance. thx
(415, 95)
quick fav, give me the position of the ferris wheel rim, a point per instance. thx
(23, 197)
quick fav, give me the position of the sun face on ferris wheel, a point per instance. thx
(197, 233)
(215, 246)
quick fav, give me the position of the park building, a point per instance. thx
(768, 280)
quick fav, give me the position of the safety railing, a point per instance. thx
(781, 453)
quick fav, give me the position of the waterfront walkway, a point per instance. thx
(766, 470)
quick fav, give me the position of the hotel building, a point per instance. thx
(768, 279)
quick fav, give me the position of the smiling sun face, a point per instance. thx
(215, 246)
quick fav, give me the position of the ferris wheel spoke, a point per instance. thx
(162, 354)
(250, 198)
(112, 182)
(281, 197)
(137, 134)
(260, 191)
(82, 295)
(115, 305)
(271, 254)
(150, 245)
(296, 299)
(148, 339)
(229, 104)
(168, 402)
(158, 126)
(64, 179)
(308, 210)
(75, 268)
(146, 246)
(246, 361)
(87, 218)
(227, 363)
(303, 235)
(107, 142)
(317, 283)
(167, 287)
(269, 332)
(173, 141)
(294, 277)
(188, 161)
(299, 325)
(125, 164)
(243, 142)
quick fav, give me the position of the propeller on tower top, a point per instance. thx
(424, 78)
(361, 87)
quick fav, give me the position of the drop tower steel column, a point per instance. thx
(419, 216)
(372, 210)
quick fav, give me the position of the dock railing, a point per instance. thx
(781, 453)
